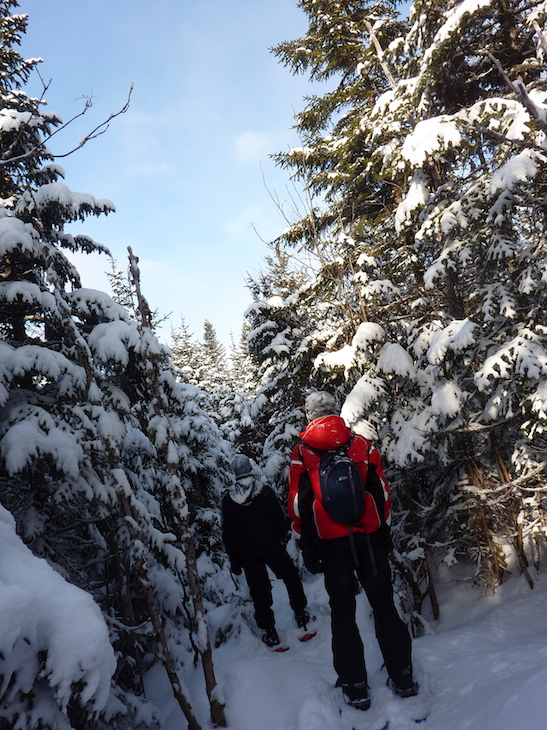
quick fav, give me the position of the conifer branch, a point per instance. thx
(518, 482)
(504, 139)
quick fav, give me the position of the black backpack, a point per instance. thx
(341, 485)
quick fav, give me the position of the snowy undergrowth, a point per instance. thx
(41, 615)
(485, 666)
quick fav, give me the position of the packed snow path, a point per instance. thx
(484, 668)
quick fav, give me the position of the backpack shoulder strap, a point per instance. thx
(320, 452)
(306, 499)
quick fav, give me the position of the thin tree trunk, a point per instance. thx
(167, 657)
(474, 474)
(543, 522)
(431, 592)
(517, 537)
(515, 508)
(179, 512)
(141, 570)
(126, 606)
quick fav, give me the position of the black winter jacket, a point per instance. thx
(253, 530)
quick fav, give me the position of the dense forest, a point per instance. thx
(411, 285)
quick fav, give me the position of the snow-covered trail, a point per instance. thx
(484, 668)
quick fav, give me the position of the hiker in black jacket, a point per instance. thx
(254, 530)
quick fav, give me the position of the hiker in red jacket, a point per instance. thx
(342, 551)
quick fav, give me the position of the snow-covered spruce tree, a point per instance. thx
(362, 284)
(471, 210)
(218, 380)
(169, 459)
(428, 154)
(212, 373)
(278, 324)
(224, 392)
(77, 470)
(46, 455)
(238, 426)
(184, 352)
(215, 355)
(122, 293)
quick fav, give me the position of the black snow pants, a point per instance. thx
(261, 588)
(374, 574)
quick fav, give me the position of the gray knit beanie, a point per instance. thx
(241, 466)
(320, 404)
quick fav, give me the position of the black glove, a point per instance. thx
(312, 561)
(235, 567)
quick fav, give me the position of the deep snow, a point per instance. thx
(483, 667)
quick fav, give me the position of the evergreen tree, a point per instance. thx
(428, 157)
(278, 324)
(122, 292)
(238, 426)
(184, 352)
(86, 467)
(213, 370)
(51, 476)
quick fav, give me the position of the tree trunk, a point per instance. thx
(482, 526)
(178, 508)
(127, 611)
(515, 508)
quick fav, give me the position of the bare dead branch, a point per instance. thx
(96, 132)
(541, 35)
(380, 52)
(99, 129)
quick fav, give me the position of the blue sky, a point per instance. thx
(187, 165)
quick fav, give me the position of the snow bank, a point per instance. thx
(41, 612)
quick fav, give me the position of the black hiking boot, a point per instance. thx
(356, 695)
(270, 638)
(406, 686)
(303, 619)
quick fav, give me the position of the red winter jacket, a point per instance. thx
(327, 433)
